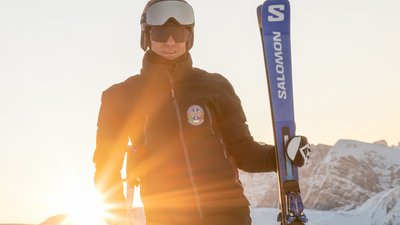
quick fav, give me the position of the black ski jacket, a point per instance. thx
(190, 132)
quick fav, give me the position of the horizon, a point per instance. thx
(58, 56)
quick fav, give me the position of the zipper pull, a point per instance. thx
(171, 81)
(173, 93)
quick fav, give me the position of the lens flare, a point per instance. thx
(85, 209)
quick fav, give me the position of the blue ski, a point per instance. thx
(274, 23)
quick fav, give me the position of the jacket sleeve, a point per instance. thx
(111, 143)
(248, 154)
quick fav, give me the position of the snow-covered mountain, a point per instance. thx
(352, 177)
(261, 188)
(383, 208)
(351, 173)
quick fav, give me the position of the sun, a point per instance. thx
(84, 208)
(84, 205)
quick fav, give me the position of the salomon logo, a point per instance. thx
(277, 13)
(279, 65)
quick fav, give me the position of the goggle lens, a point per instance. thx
(162, 33)
(161, 12)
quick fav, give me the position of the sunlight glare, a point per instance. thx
(85, 209)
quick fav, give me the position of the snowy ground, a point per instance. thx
(263, 216)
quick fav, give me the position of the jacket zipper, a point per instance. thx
(211, 122)
(223, 147)
(185, 149)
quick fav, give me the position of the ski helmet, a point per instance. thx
(160, 12)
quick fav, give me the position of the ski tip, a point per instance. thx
(259, 17)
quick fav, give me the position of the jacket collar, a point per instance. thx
(159, 69)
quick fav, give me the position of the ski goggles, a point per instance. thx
(162, 33)
(159, 13)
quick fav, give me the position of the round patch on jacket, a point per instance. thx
(195, 115)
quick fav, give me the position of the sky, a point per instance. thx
(56, 58)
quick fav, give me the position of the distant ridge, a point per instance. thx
(345, 177)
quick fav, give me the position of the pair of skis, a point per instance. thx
(274, 22)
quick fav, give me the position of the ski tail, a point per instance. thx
(130, 190)
(131, 182)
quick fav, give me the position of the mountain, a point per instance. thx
(55, 220)
(352, 177)
(261, 188)
(383, 208)
(351, 173)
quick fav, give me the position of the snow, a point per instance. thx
(365, 215)
(267, 216)
(382, 209)
(358, 149)
(262, 216)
